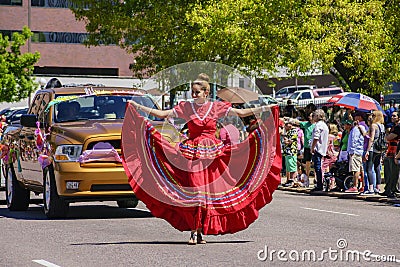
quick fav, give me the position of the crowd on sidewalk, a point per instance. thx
(319, 139)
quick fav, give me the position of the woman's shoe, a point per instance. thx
(200, 239)
(193, 239)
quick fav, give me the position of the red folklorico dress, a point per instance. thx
(202, 183)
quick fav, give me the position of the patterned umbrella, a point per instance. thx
(355, 101)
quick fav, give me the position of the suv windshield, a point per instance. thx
(94, 107)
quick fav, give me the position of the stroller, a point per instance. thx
(338, 178)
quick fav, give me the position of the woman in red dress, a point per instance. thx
(203, 185)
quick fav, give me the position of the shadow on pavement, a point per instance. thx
(77, 213)
(341, 195)
(157, 243)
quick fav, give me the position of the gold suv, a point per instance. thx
(68, 147)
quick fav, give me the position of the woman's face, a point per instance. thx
(198, 91)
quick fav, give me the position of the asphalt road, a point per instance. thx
(292, 227)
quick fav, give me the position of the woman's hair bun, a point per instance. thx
(203, 77)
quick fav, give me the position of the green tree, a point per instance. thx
(16, 68)
(358, 41)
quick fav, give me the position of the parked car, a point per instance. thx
(15, 116)
(268, 99)
(287, 91)
(8, 112)
(68, 148)
(394, 95)
(318, 96)
(264, 99)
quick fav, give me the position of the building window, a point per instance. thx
(59, 37)
(11, 2)
(241, 82)
(7, 33)
(52, 3)
(75, 71)
(52, 37)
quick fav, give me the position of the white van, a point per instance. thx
(286, 92)
(318, 96)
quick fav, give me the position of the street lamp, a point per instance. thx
(42, 82)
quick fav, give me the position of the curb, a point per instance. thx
(342, 195)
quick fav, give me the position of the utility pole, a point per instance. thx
(29, 40)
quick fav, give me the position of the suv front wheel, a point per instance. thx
(54, 205)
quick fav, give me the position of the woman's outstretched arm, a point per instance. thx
(248, 111)
(155, 112)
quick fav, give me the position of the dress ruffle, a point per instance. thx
(223, 194)
(201, 148)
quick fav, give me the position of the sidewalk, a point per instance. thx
(372, 198)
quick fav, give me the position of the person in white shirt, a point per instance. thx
(319, 145)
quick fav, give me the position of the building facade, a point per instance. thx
(59, 37)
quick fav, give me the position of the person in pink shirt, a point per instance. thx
(229, 134)
(331, 154)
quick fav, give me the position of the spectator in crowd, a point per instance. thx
(360, 117)
(355, 150)
(300, 140)
(373, 155)
(290, 110)
(397, 160)
(307, 127)
(347, 116)
(391, 169)
(302, 179)
(290, 151)
(389, 112)
(331, 154)
(343, 156)
(229, 134)
(3, 123)
(310, 108)
(336, 117)
(319, 145)
(327, 113)
(282, 134)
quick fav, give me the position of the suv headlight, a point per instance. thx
(68, 152)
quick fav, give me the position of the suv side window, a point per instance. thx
(322, 93)
(43, 104)
(282, 92)
(35, 104)
(335, 92)
(305, 95)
